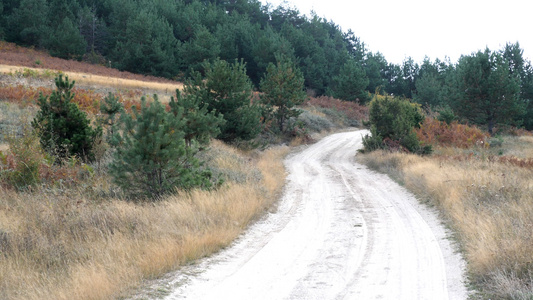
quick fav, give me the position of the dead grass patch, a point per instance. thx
(489, 203)
(66, 243)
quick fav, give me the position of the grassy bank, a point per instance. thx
(72, 237)
(487, 197)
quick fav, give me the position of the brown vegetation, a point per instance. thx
(13, 55)
(488, 200)
(353, 110)
(79, 242)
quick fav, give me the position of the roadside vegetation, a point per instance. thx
(89, 220)
(482, 185)
(251, 76)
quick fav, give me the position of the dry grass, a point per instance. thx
(67, 244)
(488, 202)
(88, 81)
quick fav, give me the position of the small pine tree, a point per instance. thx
(200, 124)
(227, 91)
(63, 128)
(151, 157)
(111, 107)
(283, 89)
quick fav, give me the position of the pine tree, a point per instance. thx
(200, 124)
(111, 107)
(351, 82)
(65, 41)
(63, 128)
(283, 89)
(486, 92)
(152, 157)
(227, 91)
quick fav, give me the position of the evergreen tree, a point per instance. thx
(63, 128)
(200, 124)
(66, 41)
(152, 158)
(283, 89)
(111, 107)
(203, 47)
(28, 23)
(486, 93)
(351, 83)
(428, 90)
(2, 22)
(227, 91)
(375, 66)
(393, 121)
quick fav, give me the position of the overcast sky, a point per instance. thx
(418, 28)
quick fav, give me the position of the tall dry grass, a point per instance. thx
(488, 202)
(66, 243)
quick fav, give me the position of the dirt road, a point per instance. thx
(341, 231)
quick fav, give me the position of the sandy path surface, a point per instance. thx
(341, 231)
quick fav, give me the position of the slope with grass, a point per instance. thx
(486, 195)
(73, 235)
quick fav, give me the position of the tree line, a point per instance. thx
(173, 39)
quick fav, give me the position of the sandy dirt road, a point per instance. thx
(341, 231)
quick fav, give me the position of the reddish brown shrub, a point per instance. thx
(435, 132)
(353, 110)
(87, 100)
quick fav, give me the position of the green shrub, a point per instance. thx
(200, 124)
(152, 157)
(393, 121)
(23, 171)
(314, 122)
(64, 129)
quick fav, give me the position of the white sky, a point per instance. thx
(418, 28)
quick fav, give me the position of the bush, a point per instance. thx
(440, 133)
(314, 122)
(63, 128)
(152, 157)
(353, 111)
(393, 121)
(21, 169)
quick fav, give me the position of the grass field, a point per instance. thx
(74, 236)
(79, 240)
(486, 196)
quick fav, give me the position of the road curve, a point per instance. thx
(340, 231)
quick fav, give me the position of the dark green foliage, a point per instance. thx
(148, 46)
(283, 89)
(351, 83)
(28, 23)
(447, 115)
(63, 128)
(203, 47)
(152, 157)
(227, 92)
(375, 66)
(392, 125)
(111, 107)
(173, 38)
(65, 41)
(486, 92)
(200, 124)
(428, 89)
